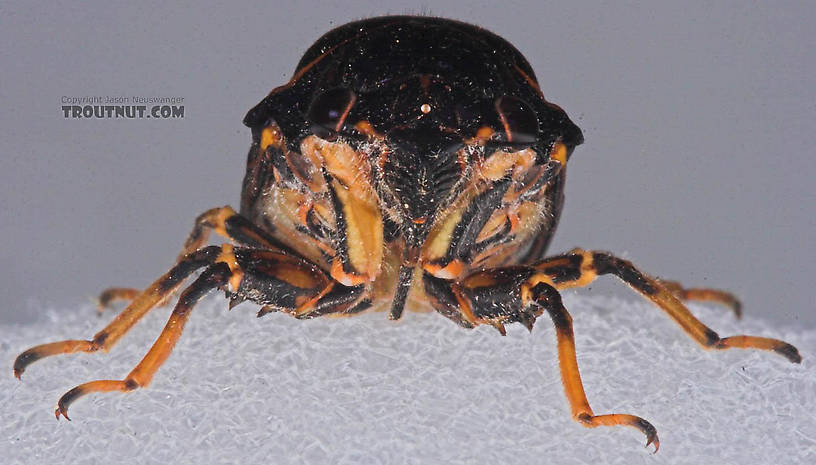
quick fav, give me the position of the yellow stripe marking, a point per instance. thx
(271, 136)
(559, 153)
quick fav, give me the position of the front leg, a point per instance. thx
(145, 301)
(521, 294)
(293, 285)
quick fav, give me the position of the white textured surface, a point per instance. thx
(365, 390)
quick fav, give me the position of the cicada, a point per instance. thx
(409, 163)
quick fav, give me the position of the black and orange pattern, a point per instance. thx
(410, 163)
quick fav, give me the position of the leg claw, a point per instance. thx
(789, 352)
(66, 400)
(61, 410)
(650, 432)
(23, 360)
(653, 439)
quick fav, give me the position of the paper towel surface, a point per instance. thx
(365, 390)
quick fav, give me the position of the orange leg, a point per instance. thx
(520, 294)
(292, 284)
(213, 218)
(145, 301)
(716, 296)
(222, 220)
(213, 277)
(581, 267)
(116, 294)
(548, 297)
(500, 296)
(230, 225)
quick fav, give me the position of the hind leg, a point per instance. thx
(581, 267)
(695, 294)
(143, 303)
(212, 277)
(278, 281)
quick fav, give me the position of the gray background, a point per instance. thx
(700, 121)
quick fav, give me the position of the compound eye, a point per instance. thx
(519, 120)
(329, 110)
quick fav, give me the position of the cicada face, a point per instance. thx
(410, 143)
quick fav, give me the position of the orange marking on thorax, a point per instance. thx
(515, 220)
(464, 305)
(303, 211)
(307, 306)
(559, 153)
(351, 173)
(364, 127)
(342, 120)
(271, 136)
(341, 161)
(220, 220)
(493, 226)
(484, 133)
(529, 80)
(298, 276)
(479, 280)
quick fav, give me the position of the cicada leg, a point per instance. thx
(279, 281)
(212, 277)
(704, 294)
(581, 267)
(143, 303)
(224, 221)
(520, 294)
(500, 296)
(112, 295)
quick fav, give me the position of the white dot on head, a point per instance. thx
(425, 108)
